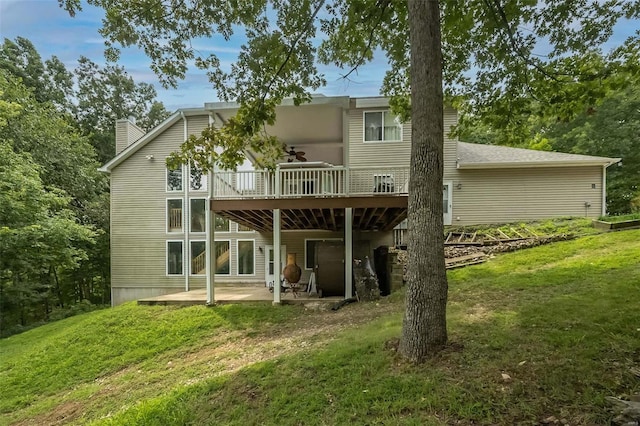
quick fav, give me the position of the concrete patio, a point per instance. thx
(235, 294)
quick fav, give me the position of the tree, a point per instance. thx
(39, 233)
(100, 96)
(107, 94)
(611, 129)
(50, 80)
(279, 60)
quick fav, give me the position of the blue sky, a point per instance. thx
(54, 32)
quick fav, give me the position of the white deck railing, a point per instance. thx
(310, 182)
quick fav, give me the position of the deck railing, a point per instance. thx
(311, 182)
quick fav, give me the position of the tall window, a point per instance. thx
(198, 258)
(222, 254)
(174, 215)
(198, 215)
(197, 179)
(174, 179)
(174, 257)
(246, 258)
(381, 126)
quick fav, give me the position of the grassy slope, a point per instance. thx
(560, 320)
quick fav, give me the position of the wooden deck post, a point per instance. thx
(277, 262)
(348, 252)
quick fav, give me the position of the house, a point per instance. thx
(342, 203)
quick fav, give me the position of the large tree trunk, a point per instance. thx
(424, 330)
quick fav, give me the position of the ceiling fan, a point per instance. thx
(295, 155)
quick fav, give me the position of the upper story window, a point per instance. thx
(174, 179)
(197, 179)
(381, 126)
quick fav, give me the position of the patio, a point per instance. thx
(235, 294)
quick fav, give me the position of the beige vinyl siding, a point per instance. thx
(138, 219)
(450, 144)
(197, 123)
(366, 154)
(138, 223)
(506, 195)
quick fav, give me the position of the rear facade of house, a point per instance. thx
(351, 192)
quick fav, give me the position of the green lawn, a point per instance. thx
(549, 331)
(621, 218)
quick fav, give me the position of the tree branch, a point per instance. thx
(504, 22)
(360, 61)
(292, 48)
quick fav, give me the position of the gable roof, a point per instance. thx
(135, 146)
(478, 156)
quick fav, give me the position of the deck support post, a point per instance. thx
(348, 253)
(277, 262)
(211, 255)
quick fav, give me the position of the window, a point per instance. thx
(198, 257)
(174, 215)
(310, 251)
(242, 228)
(174, 257)
(221, 224)
(381, 126)
(174, 179)
(198, 212)
(197, 179)
(445, 199)
(246, 257)
(222, 255)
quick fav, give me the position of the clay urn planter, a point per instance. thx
(292, 271)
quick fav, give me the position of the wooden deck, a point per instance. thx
(235, 294)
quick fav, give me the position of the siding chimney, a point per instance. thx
(126, 133)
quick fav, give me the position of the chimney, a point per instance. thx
(126, 133)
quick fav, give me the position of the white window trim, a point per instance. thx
(166, 258)
(204, 180)
(213, 263)
(238, 257)
(191, 258)
(206, 217)
(315, 239)
(166, 216)
(364, 129)
(166, 181)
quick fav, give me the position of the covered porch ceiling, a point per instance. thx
(376, 213)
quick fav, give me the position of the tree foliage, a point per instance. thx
(40, 235)
(50, 80)
(62, 124)
(495, 55)
(611, 129)
(107, 94)
(94, 97)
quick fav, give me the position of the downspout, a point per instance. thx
(185, 219)
(604, 190)
(209, 245)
